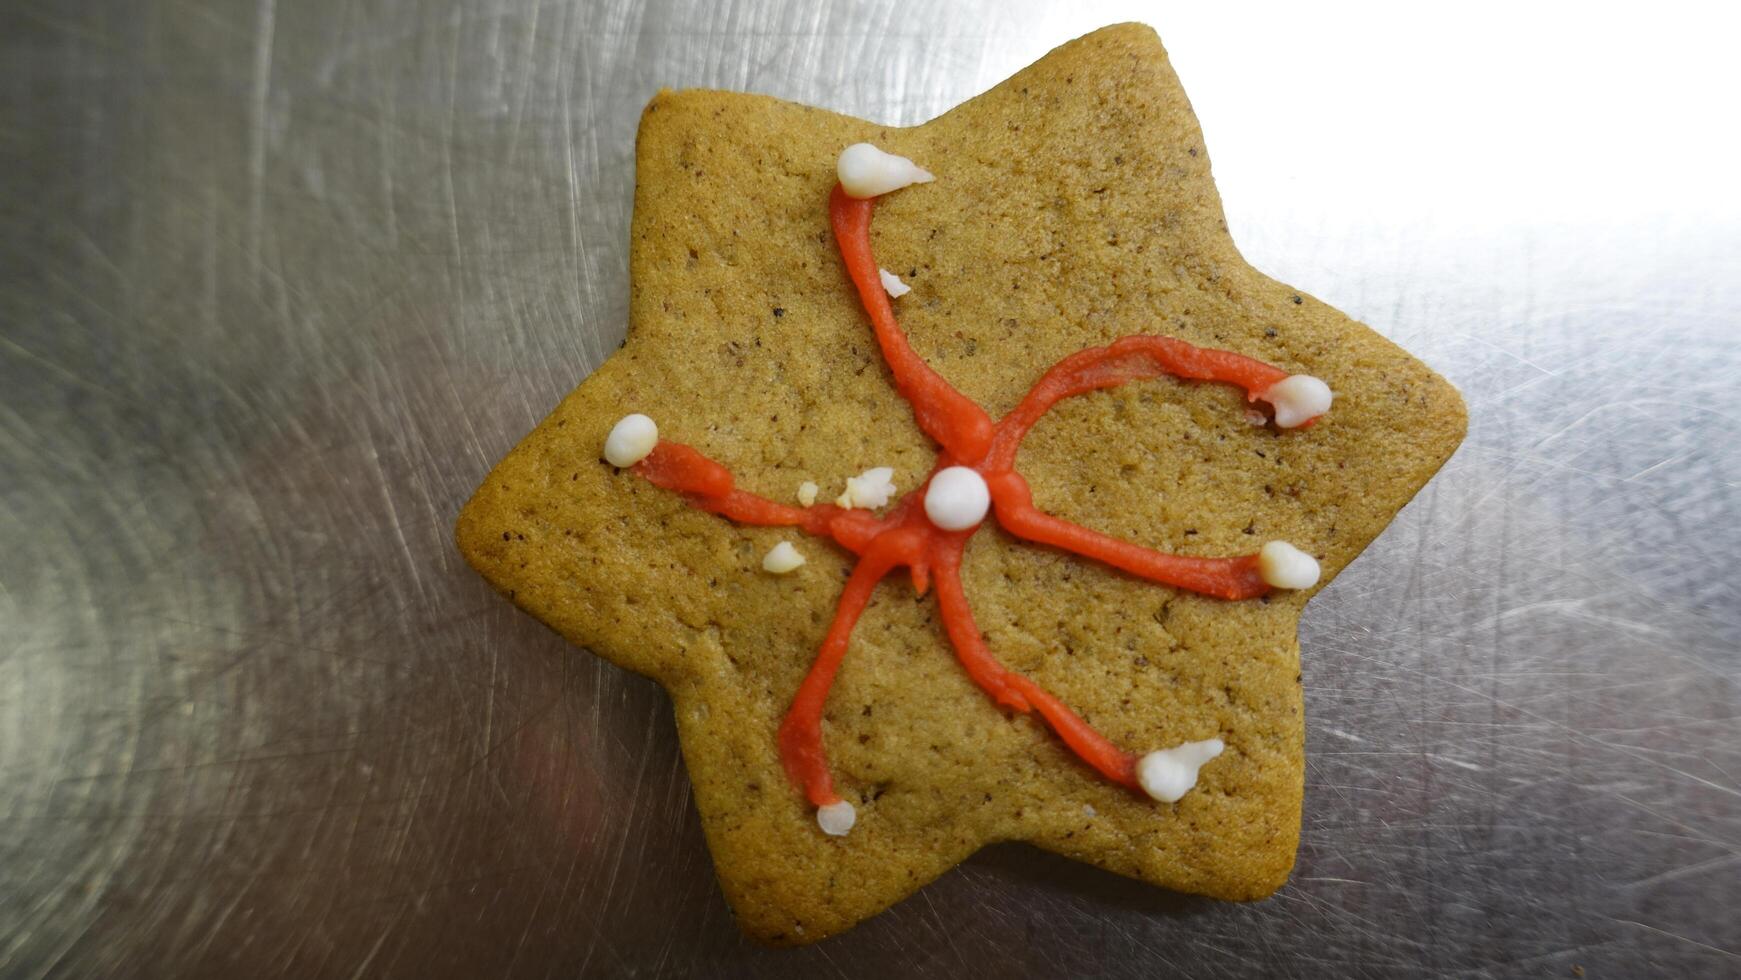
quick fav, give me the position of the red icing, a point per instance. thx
(946, 415)
(904, 537)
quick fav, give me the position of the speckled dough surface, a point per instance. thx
(1073, 206)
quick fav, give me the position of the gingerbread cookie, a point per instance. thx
(988, 519)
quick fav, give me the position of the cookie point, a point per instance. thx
(1298, 399)
(957, 498)
(631, 439)
(1168, 774)
(1284, 566)
(836, 818)
(866, 171)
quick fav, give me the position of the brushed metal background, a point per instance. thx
(280, 280)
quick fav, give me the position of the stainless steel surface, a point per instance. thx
(279, 282)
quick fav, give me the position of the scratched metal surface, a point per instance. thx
(279, 282)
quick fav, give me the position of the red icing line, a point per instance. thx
(801, 733)
(906, 538)
(675, 466)
(1129, 359)
(945, 414)
(1224, 578)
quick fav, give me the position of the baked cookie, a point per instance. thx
(1089, 644)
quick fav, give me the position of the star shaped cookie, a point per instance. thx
(1072, 207)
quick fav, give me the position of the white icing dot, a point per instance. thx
(892, 284)
(1169, 774)
(869, 490)
(782, 558)
(836, 818)
(807, 493)
(866, 171)
(630, 441)
(957, 498)
(1284, 566)
(1298, 398)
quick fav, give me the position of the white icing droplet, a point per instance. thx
(957, 498)
(1298, 399)
(807, 493)
(1089, 810)
(869, 490)
(836, 818)
(1168, 774)
(866, 171)
(892, 284)
(782, 558)
(1284, 566)
(631, 439)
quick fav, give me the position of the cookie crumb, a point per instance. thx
(783, 558)
(869, 490)
(892, 284)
